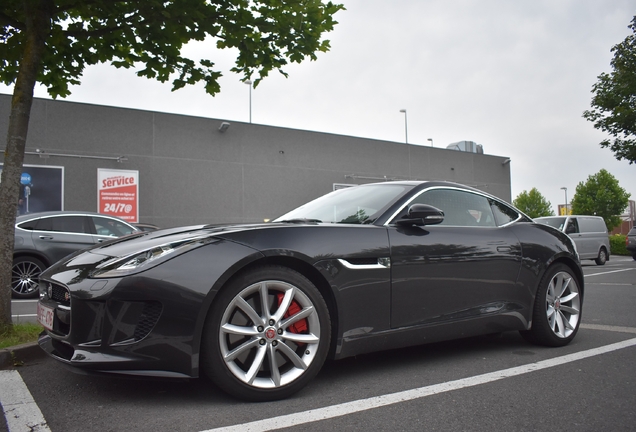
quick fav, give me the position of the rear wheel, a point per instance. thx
(267, 334)
(557, 308)
(25, 275)
(602, 257)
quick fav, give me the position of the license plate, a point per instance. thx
(45, 316)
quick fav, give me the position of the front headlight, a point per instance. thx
(140, 261)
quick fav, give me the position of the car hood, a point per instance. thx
(134, 243)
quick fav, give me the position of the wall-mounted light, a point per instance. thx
(506, 162)
(42, 153)
(224, 126)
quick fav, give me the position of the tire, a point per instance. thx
(602, 257)
(634, 256)
(25, 275)
(557, 309)
(258, 353)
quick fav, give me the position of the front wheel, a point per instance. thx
(557, 308)
(267, 334)
(25, 274)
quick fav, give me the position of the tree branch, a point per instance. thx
(6, 20)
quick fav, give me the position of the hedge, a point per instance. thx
(617, 245)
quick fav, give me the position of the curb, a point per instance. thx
(20, 354)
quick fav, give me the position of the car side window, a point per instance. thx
(111, 227)
(69, 224)
(572, 227)
(461, 208)
(503, 214)
(29, 225)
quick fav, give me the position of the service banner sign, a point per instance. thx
(118, 193)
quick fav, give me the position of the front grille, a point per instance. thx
(58, 293)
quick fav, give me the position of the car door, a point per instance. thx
(464, 267)
(59, 236)
(582, 244)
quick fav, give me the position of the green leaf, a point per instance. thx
(614, 101)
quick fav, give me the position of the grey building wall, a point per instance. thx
(190, 172)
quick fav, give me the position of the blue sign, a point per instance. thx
(25, 179)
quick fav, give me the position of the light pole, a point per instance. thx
(431, 140)
(249, 83)
(566, 199)
(406, 127)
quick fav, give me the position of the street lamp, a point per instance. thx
(249, 83)
(406, 127)
(431, 140)
(566, 199)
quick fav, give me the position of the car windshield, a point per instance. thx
(556, 222)
(355, 205)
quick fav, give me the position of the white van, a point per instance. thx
(588, 232)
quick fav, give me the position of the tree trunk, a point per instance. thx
(38, 26)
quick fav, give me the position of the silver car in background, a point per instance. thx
(588, 232)
(42, 239)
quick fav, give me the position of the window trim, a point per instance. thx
(390, 220)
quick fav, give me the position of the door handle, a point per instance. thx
(46, 237)
(504, 249)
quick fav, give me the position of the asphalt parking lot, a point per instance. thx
(494, 383)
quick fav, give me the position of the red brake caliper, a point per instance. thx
(294, 308)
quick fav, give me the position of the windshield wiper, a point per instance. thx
(301, 220)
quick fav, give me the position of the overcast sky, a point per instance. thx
(514, 76)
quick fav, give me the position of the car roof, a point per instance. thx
(426, 184)
(30, 216)
(570, 215)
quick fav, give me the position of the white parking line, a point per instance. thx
(404, 396)
(20, 410)
(609, 328)
(608, 272)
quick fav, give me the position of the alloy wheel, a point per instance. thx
(563, 304)
(25, 277)
(269, 334)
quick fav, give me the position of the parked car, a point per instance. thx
(145, 226)
(258, 308)
(630, 242)
(44, 238)
(588, 232)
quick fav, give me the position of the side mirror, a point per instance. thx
(422, 214)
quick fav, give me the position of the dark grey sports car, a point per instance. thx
(258, 308)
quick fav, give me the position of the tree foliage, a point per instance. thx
(601, 195)
(533, 204)
(52, 41)
(614, 101)
(151, 34)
